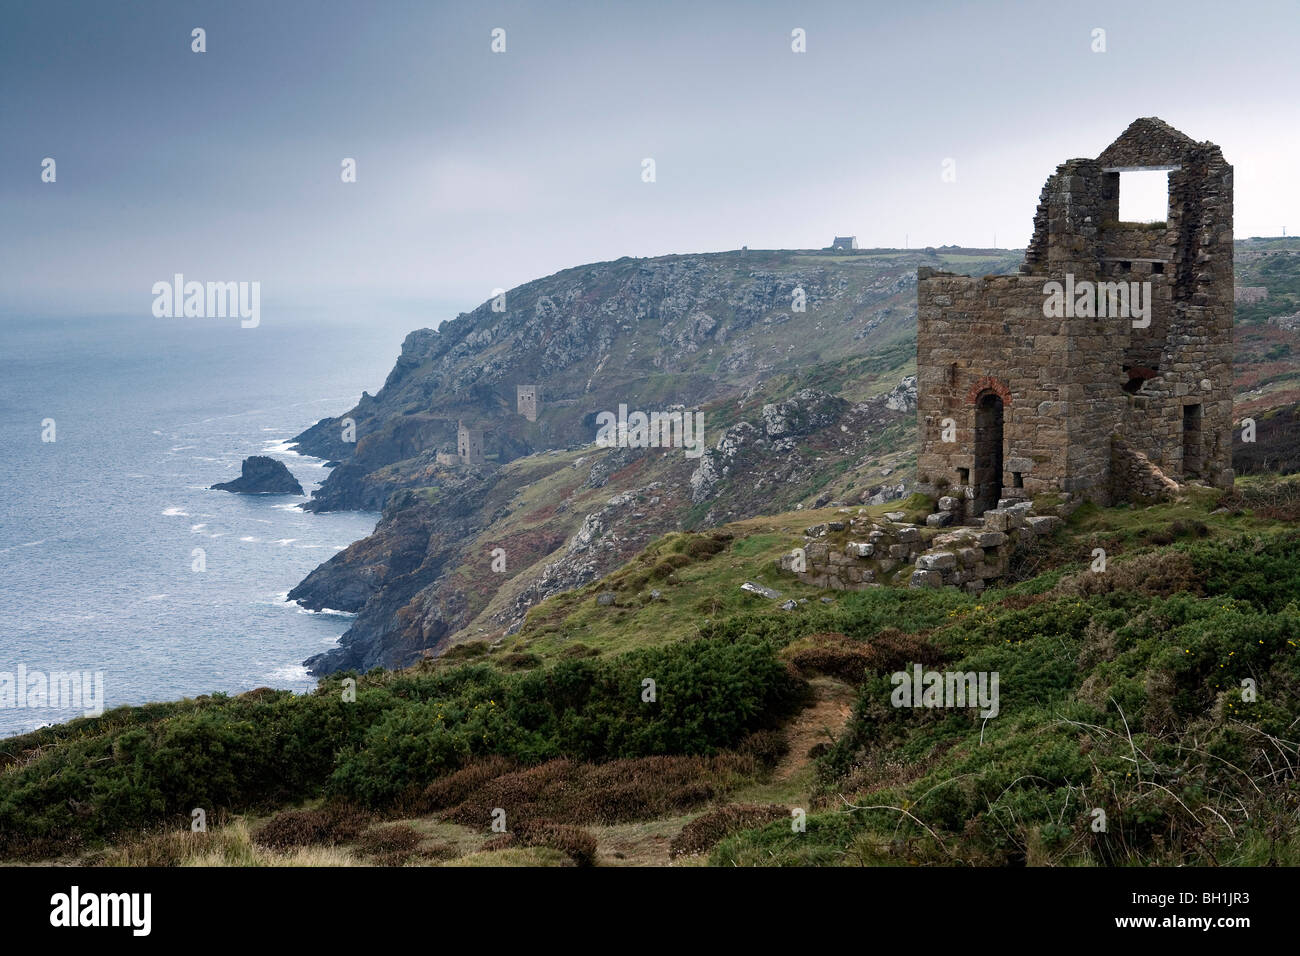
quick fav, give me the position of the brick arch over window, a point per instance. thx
(988, 384)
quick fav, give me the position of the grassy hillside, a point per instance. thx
(1120, 692)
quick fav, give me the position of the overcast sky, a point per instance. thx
(479, 170)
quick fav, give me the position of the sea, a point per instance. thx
(115, 558)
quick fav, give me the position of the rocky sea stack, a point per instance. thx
(262, 476)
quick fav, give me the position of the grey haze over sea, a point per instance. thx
(97, 529)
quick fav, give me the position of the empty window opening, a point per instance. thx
(988, 453)
(1191, 441)
(1144, 196)
(963, 476)
(1019, 479)
(1158, 268)
(1137, 377)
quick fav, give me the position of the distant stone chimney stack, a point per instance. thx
(526, 398)
(469, 444)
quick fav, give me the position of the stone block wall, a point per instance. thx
(1058, 379)
(1135, 478)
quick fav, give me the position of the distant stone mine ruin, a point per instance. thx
(526, 401)
(1105, 368)
(469, 444)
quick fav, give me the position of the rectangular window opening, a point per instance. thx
(1192, 441)
(1144, 196)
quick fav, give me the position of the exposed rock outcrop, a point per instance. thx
(260, 475)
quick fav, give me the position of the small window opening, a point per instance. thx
(1018, 480)
(963, 476)
(1137, 377)
(1158, 268)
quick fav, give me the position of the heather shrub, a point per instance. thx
(390, 845)
(1157, 573)
(615, 792)
(704, 832)
(766, 747)
(701, 547)
(519, 661)
(329, 825)
(668, 564)
(831, 654)
(455, 788)
(574, 842)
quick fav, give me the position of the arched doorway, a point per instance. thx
(987, 478)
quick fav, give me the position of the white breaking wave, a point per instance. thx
(280, 446)
(325, 610)
(289, 672)
(25, 544)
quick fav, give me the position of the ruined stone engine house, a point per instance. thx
(1018, 396)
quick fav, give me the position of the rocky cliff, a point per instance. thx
(797, 362)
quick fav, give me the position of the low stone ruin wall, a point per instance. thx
(1133, 476)
(861, 551)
